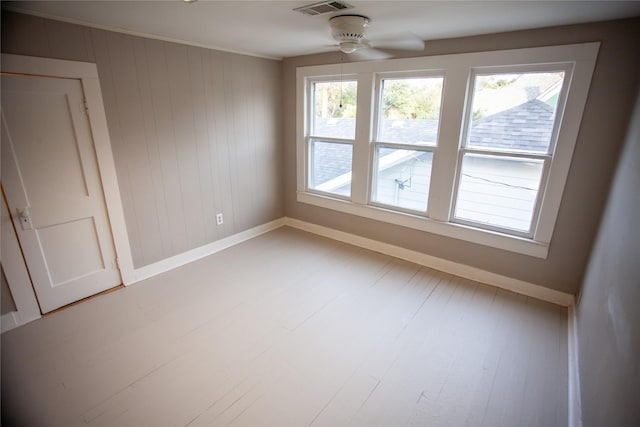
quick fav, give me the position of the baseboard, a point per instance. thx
(574, 401)
(13, 319)
(461, 270)
(8, 322)
(176, 261)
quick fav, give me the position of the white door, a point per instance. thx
(51, 180)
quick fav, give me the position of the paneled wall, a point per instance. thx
(194, 132)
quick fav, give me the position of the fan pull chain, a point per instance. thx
(341, 62)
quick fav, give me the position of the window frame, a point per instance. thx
(376, 142)
(311, 161)
(546, 157)
(457, 70)
(310, 138)
(373, 180)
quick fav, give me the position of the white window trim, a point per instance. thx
(457, 70)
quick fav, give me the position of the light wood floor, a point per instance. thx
(291, 329)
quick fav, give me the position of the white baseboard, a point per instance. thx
(13, 319)
(8, 321)
(575, 402)
(468, 272)
(176, 261)
(472, 273)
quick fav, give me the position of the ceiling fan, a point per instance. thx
(350, 32)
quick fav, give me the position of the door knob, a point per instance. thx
(25, 218)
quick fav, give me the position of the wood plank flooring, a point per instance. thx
(291, 329)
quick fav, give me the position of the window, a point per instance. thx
(331, 135)
(507, 148)
(408, 117)
(472, 146)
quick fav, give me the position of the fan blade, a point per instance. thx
(369, 54)
(404, 41)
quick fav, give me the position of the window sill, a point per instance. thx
(457, 231)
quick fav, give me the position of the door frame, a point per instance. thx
(87, 73)
(18, 280)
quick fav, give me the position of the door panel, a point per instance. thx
(54, 190)
(76, 240)
(46, 150)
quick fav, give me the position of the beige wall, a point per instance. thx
(606, 116)
(194, 131)
(608, 324)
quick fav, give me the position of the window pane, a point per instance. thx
(334, 109)
(499, 191)
(514, 112)
(330, 169)
(403, 178)
(410, 110)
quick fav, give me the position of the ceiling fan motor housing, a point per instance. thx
(348, 28)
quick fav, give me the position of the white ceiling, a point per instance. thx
(273, 29)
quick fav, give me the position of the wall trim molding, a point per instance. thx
(574, 401)
(17, 275)
(195, 254)
(14, 319)
(461, 270)
(9, 321)
(508, 283)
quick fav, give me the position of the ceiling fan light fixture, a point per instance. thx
(349, 47)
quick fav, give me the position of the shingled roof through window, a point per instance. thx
(525, 127)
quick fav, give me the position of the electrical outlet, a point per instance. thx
(219, 219)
